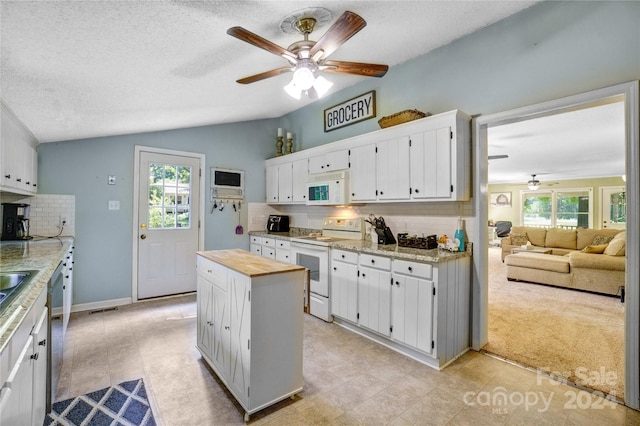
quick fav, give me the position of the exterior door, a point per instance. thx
(614, 207)
(168, 221)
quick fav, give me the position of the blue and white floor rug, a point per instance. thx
(124, 404)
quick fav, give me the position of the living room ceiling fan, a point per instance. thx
(308, 58)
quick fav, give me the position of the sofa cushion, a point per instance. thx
(561, 238)
(587, 236)
(519, 239)
(536, 236)
(597, 249)
(546, 262)
(617, 246)
(596, 261)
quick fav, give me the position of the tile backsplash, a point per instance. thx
(46, 213)
(414, 218)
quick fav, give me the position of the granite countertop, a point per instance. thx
(42, 255)
(389, 250)
(248, 263)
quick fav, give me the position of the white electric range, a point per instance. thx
(312, 252)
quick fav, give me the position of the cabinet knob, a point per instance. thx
(398, 283)
(34, 356)
(381, 193)
(335, 269)
(353, 194)
(417, 190)
(7, 176)
(328, 165)
(343, 256)
(19, 180)
(373, 261)
(410, 269)
(27, 183)
(226, 327)
(363, 275)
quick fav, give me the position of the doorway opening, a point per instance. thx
(628, 94)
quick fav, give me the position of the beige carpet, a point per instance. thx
(572, 334)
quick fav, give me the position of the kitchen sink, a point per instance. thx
(11, 283)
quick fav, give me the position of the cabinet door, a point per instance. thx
(272, 184)
(240, 333)
(431, 164)
(392, 169)
(40, 368)
(285, 183)
(220, 326)
(412, 311)
(16, 402)
(374, 300)
(362, 178)
(344, 290)
(34, 170)
(67, 292)
(283, 255)
(299, 187)
(205, 316)
(338, 160)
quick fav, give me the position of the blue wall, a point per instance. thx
(550, 50)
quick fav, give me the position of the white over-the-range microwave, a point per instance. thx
(329, 189)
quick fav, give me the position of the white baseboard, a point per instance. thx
(104, 304)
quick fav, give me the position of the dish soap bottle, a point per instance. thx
(459, 235)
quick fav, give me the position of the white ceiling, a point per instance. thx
(587, 143)
(80, 69)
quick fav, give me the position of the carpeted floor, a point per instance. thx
(571, 334)
(125, 404)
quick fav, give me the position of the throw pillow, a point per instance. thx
(519, 239)
(617, 246)
(598, 240)
(596, 249)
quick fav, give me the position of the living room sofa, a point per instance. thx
(579, 259)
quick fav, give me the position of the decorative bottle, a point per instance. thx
(459, 235)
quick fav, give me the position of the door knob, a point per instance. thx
(143, 236)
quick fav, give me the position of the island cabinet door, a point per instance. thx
(205, 316)
(221, 336)
(240, 334)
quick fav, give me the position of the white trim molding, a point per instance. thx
(627, 93)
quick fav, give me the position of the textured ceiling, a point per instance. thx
(79, 69)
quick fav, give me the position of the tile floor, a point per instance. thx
(349, 380)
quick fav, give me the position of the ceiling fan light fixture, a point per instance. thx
(534, 183)
(322, 85)
(303, 77)
(292, 90)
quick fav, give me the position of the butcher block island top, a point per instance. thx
(249, 264)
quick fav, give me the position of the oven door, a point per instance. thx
(316, 259)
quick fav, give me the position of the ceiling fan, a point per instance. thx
(308, 58)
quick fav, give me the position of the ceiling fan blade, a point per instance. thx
(497, 157)
(263, 43)
(358, 68)
(263, 75)
(347, 25)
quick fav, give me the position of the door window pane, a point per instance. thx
(618, 208)
(169, 187)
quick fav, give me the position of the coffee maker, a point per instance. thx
(15, 221)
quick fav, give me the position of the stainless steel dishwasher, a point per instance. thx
(55, 334)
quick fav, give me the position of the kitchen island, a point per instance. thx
(250, 325)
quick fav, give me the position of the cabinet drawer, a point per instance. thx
(378, 262)
(283, 244)
(414, 269)
(269, 252)
(256, 249)
(213, 272)
(255, 239)
(283, 255)
(268, 242)
(344, 256)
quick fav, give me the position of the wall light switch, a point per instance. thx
(111, 180)
(114, 205)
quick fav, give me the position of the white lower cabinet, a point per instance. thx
(412, 295)
(24, 382)
(420, 309)
(246, 332)
(344, 284)
(374, 293)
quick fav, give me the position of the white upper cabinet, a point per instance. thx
(18, 157)
(299, 184)
(329, 162)
(362, 178)
(392, 169)
(285, 183)
(423, 160)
